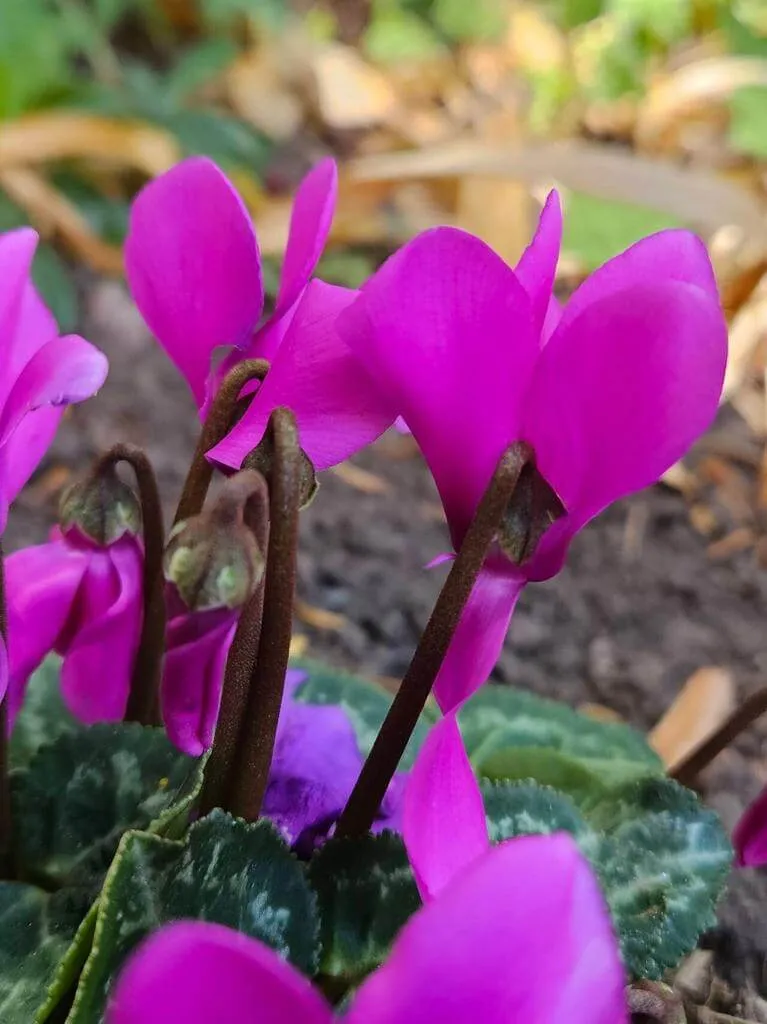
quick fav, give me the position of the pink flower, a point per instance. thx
(194, 268)
(40, 371)
(196, 647)
(750, 835)
(521, 935)
(609, 391)
(83, 601)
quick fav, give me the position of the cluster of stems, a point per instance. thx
(237, 770)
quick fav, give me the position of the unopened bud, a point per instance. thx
(262, 460)
(102, 507)
(213, 558)
(533, 508)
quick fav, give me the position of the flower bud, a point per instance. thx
(101, 507)
(262, 457)
(213, 558)
(534, 506)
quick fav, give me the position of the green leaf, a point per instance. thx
(395, 35)
(226, 871)
(198, 65)
(365, 703)
(662, 871)
(35, 931)
(43, 716)
(598, 229)
(70, 966)
(366, 894)
(482, 20)
(347, 267)
(81, 793)
(528, 809)
(499, 717)
(748, 121)
(57, 287)
(661, 857)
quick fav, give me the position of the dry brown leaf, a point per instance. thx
(497, 210)
(738, 540)
(299, 645)
(747, 331)
(62, 134)
(691, 90)
(54, 215)
(256, 90)
(680, 479)
(319, 618)
(697, 197)
(599, 712)
(703, 703)
(350, 92)
(360, 479)
(703, 519)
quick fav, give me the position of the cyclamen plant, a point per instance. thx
(195, 828)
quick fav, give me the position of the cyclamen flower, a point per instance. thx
(521, 935)
(83, 601)
(750, 835)
(609, 390)
(40, 372)
(194, 269)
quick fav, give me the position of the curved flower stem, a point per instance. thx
(143, 697)
(381, 764)
(688, 770)
(217, 424)
(239, 668)
(6, 822)
(267, 682)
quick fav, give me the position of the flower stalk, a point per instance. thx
(239, 665)
(259, 727)
(690, 768)
(398, 726)
(217, 424)
(143, 697)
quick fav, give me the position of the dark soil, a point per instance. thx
(637, 609)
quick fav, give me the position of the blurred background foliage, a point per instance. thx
(646, 113)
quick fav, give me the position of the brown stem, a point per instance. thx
(239, 669)
(143, 697)
(256, 745)
(217, 425)
(381, 764)
(6, 834)
(687, 771)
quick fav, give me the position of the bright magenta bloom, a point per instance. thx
(750, 835)
(520, 935)
(194, 268)
(609, 391)
(83, 601)
(40, 372)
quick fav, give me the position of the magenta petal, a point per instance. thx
(522, 935)
(672, 255)
(100, 652)
(750, 835)
(620, 393)
(197, 644)
(537, 267)
(193, 266)
(445, 328)
(41, 585)
(310, 223)
(444, 824)
(195, 972)
(337, 404)
(477, 642)
(64, 371)
(17, 249)
(34, 327)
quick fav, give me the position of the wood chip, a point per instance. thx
(361, 479)
(738, 540)
(319, 618)
(599, 712)
(298, 645)
(703, 703)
